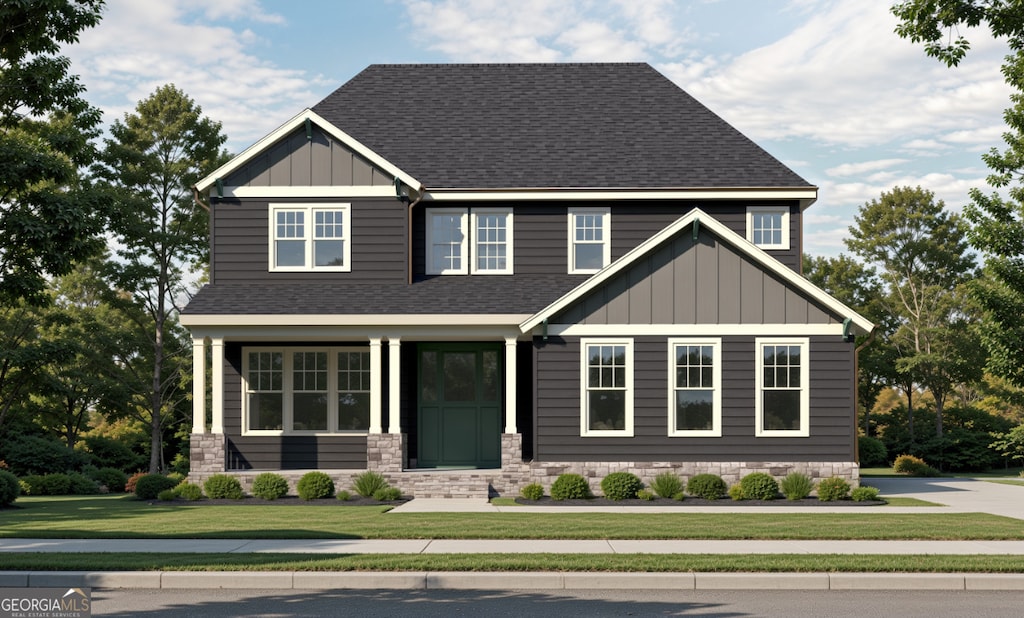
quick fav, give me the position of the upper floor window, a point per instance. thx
(782, 404)
(589, 239)
(461, 240)
(695, 392)
(606, 387)
(308, 237)
(768, 226)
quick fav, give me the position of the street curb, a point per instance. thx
(531, 580)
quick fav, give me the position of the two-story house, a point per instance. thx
(472, 277)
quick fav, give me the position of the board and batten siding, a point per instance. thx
(687, 282)
(341, 452)
(300, 161)
(241, 247)
(558, 407)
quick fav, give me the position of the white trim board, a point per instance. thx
(361, 320)
(806, 195)
(689, 330)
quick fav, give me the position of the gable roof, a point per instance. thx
(705, 221)
(498, 126)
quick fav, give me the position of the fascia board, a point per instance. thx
(713, 225)
(805, 195)
(295, 122)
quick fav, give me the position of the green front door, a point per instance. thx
(459, 406)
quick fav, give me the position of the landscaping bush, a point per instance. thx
(387, 494)
(315, 485)
(82, 485)
(913, 466)
(269, 486)
(9, 488)
(27, 455)
(645, 494)
(872, 452)
(149, 486)
(707, 486)
(55, 485)
(533, 491)
(833, 489)
(167, 494)
(106, 452)
(759, 486)
(864, 494)
(223, 487)
(111, 478)
(621, 486)
(796, 486)
(736, 492)
(188, 491)
(129, 485)
(367, 483)
(175, 476)
(31, 484)
(570, 486)
(343, 495)
(667, 485)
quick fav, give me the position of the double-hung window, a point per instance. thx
(310, 237)
(306, 390)
(463, 240)
(768, 226)
(782, 405)
(606, 387)
(695, 387)
(589, 239)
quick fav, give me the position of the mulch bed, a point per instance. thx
(689, 501)
(285, 501)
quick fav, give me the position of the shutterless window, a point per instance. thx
(589, 240)
(353, 391)
(768, 227)
(305, 238)
(265, 391)
(492, 241)
(782, 389)
(462, 240)
(695, 397)
(446, 242)
(309, 391)
(607, 382)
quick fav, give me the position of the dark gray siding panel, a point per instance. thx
(279, 452)
(558, 407)
(241, 228)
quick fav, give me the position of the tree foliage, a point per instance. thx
(49, 217)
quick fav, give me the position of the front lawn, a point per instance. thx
(125, 517)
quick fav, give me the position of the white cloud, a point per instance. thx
(854, 169)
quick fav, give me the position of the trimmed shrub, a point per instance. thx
(872, 452)
(645, 494)
(833, 489)
(796, 486)
(533, 491)
(736, 492)
(27, 455)
(621, 485)
(367, 483)
(223, 487)
(269, 486)
(149, 486)
(31, 484)
(176, 476)
(387, 494)
(913, 466)
(570, 486)
(129, 485)
(55, 485)
(864, 494)
(9, 488)
(111, 478)
(667, 485)
(759, 486)
(343, 495)
(707, 486)
(679, 497)
(81, 485)
(315, 485)
(188, 491)
(167, 494)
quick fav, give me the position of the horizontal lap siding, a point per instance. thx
(279, 452)
(558, 407)
(241, 247)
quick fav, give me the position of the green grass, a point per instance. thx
(709, 563)
(997, 472)
(898, 501)
(123, 517)
(1005, 482)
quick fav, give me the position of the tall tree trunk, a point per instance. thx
(156, 399)
(910, 412)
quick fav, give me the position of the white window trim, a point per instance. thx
(287, 391)
(310, 226)
(805, 387)
(474, 213)
(716, 385)
(463, 227)
(585, 431)
(606, 227)
(782, 210)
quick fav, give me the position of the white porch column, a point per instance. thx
(394, 385)
(217, 385)
(198, 385)
(375, 385)
(510, 385)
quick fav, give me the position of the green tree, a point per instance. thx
(49, 217)
(997, 223)
(921, 254)
(151, 160)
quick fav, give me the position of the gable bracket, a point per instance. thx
(309, 130)
(696, 228)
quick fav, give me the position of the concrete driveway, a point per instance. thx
(971, 495)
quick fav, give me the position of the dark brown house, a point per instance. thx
(473, 277)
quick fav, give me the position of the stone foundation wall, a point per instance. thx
(207, 454)
(385, 452)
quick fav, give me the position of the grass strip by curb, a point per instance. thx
(653, 563)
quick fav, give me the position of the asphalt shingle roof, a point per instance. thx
(494, 126)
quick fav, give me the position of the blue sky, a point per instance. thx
(824, 85)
